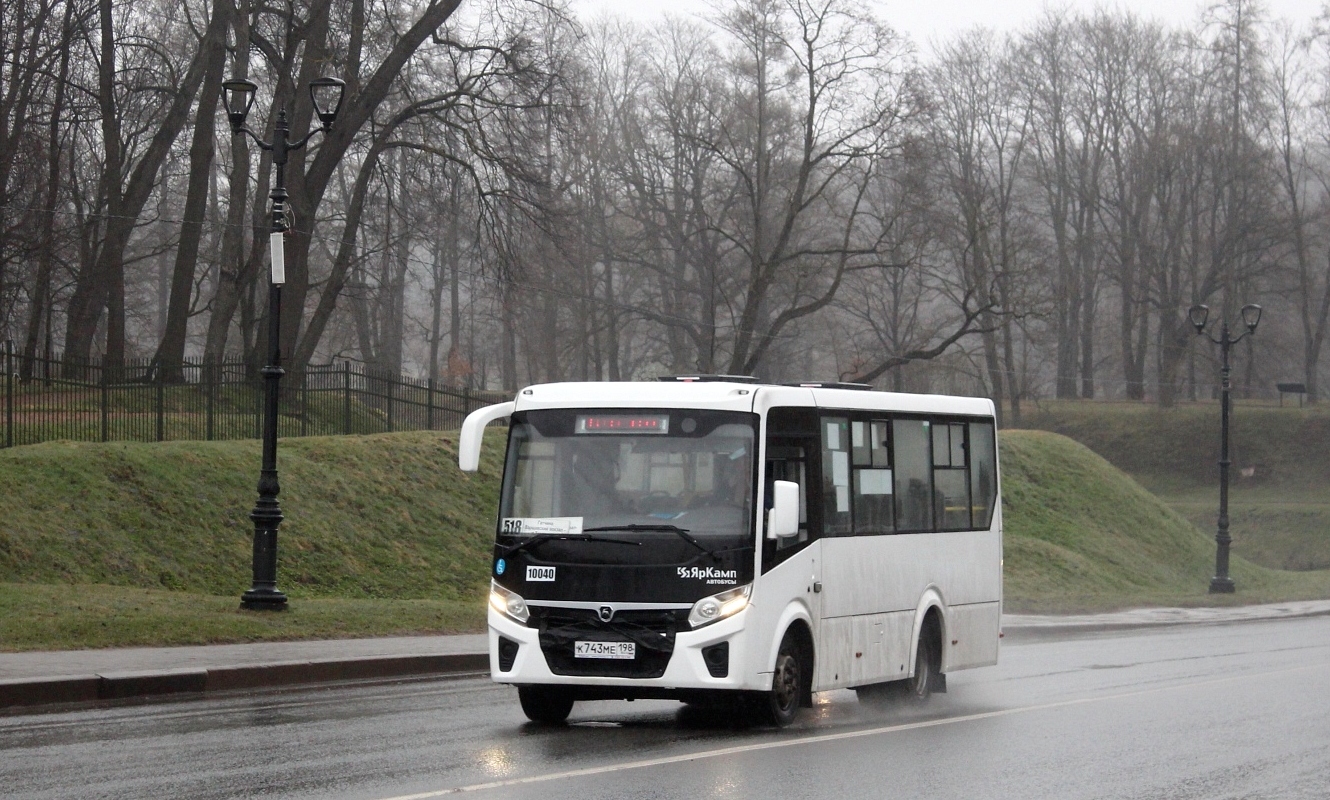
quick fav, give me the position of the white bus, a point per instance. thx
(713, 538)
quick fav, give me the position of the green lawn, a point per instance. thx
(139, 544)
(1083, 536)
(1279, 495)
(46, 617)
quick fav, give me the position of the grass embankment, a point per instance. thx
(1080, 535)
(1279, 499)
(125, 543)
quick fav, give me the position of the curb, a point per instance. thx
(1056, 630)
(28, 693)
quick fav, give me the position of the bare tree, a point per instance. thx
(1296, 112)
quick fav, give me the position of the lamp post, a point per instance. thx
(238, 96)
(1221, 583)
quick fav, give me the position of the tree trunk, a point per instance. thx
(346, 262)
(41, 293)
(102, 283)
(1174, 342)
(307, 186)
(171, 352)
(508, 335)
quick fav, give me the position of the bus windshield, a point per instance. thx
(629, 473)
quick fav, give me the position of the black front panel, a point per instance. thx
(549, 577)
(652, 632)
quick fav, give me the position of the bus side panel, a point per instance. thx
(875, 578)
(876, 574)
(835, 653)
(974, 629)
(864, 649)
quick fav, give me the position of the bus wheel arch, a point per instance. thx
(791, 679)
(799, 631)
(796, 622)
(926, 676)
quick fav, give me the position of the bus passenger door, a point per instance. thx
(791, 564)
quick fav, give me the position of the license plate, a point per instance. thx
(623, 650)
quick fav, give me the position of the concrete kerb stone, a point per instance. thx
(35, 692)
(119, 685)
(19, 692)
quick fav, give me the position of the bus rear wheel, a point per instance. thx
(545, 704)
(926, 666)
(789, 684)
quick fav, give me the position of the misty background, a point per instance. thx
(522, 191)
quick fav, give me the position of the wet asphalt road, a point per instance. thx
(1222, 711)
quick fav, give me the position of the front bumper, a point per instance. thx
(685, 671)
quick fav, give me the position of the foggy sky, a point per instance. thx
(934, 19)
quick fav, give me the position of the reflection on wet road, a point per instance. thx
(1198, 712)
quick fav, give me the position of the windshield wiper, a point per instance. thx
(682, 533)
(562, 537)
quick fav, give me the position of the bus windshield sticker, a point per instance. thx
(537, 525)
(874, 481)
(840, 468)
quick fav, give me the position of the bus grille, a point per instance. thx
(652, 631)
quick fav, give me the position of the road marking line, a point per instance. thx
(828, 737)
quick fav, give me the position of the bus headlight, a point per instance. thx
(719, 606)
(510, 604)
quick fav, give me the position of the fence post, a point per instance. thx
(390, 383)
(9, 393)
(429, 409)
(106, 402)
(346, 398)
(161, 404)
(304, 401)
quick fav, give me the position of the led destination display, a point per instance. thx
(623, 423)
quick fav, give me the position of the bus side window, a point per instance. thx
(951, 488)
(836, 476)
(874, 509)
(913, 474)
(983, 473)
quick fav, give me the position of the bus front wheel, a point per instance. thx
(545, 704)
(789, 683)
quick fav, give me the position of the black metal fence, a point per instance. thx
(47, 399)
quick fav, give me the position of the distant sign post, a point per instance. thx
(1300, 389)
(238, 96)
(1221, 583)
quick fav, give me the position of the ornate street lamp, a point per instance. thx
(238, 97)
(1197, 315)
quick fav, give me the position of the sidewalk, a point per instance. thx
(82, 676)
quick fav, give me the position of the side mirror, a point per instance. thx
(473, 429)
(783, 519)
